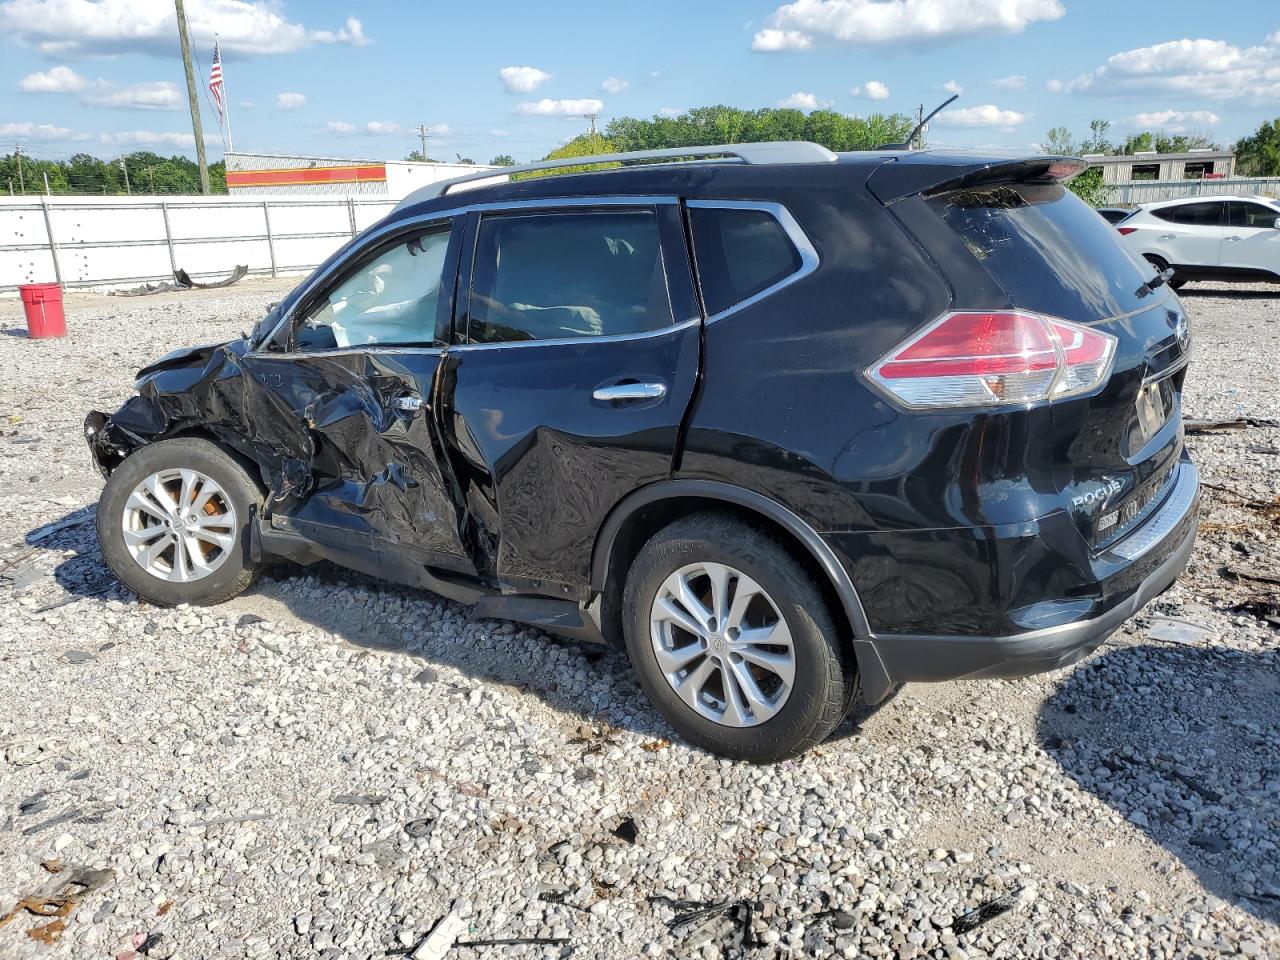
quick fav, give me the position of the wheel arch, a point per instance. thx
(645, 511)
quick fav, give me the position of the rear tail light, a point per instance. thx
(977, 358)
(1125, 231)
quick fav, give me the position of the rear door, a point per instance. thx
(1252, 240)
(348, 386)
(1192, 233)
(576, 353)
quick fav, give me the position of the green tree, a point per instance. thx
(1097, 142)
(1259, 155)
(1088, 186)
(417, 156)
(1059, 141)
(585, 145)
(503, 160)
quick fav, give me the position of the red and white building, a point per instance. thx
(259, 174)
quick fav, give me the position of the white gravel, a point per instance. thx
(329, 780)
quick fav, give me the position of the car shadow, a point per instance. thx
(1184, 743)
(610, 694)
(1262, 292)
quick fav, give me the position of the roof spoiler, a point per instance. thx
(915, 174)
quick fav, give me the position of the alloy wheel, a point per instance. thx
(179, 525)
(722, 644)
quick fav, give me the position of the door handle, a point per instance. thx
(1231, 239)
(1168, 236)
(410, 403)
(631, 391)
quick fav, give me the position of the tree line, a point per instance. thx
(1257, 155)
(138, 172)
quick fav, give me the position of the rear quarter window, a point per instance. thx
(1048, 250)
(740, 252)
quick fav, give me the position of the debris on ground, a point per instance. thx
(1171, 630)
(182, 281)
(1192, 425)
(728, 921)
(441, 939)
(58, 898)
(988, 911)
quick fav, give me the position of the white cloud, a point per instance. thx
(952, 86)
(439, 129)
(523, 79)
(803, 101)
(1012, 82)
(339, 127)
(614, 85)
(1201, 68)
(291, 101)
(987, 115)
(38, 131)
(499, 133)
(776, 41)
(1176, 121)
(76, 28)
(796, 25)
(872, 90)
(153, 95)
(152, 138)
(55, 80)
(670, 112)
(246, 104)
(559, 108)
(388, 128)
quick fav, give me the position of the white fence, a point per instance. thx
(1145, 191)
(123, 241)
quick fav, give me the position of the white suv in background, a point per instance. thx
(1208, 238)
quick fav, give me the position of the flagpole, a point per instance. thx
(227, 145)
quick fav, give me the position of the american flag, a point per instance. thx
(215, 81)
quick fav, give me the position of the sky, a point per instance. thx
(341, 78)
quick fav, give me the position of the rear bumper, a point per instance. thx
(1151, 558)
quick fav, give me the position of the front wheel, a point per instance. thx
(173, 521)
(733, 642)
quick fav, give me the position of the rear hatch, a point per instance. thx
(1014, 232)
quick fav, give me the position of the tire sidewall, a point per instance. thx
(796, 599)
(235, 573)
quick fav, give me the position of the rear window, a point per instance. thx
(1047, 249)
(740, 252)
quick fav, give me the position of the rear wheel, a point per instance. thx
(733, 641)
(173, 521)
(1161, 264)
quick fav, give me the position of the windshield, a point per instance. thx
(1048, 250)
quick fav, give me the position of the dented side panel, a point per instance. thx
(332, 448)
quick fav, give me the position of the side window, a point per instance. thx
(740, 252)
(1192, 214)
(554, 275)
(1251, 215)
(389, 300)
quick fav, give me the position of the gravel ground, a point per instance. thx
(326, 766)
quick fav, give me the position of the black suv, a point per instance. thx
(788, 424)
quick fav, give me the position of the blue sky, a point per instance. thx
(340, 78)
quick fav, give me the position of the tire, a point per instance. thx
(1161, 265)
(823, 679)
(234, 500)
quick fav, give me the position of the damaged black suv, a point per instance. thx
(789, 424)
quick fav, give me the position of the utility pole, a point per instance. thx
(191, 96)
(591, 118)
(919, 121)
(151, 174)
(422, 135)
(47, 191)
(127, 189)
(17, 152)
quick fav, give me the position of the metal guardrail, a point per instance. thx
(1146, 191)
(172, 243)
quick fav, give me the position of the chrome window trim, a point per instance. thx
(562, 341)
(809, 259)
(436, 216)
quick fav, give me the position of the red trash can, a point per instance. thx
(42, 303)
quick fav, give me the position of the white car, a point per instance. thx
(1208, 238)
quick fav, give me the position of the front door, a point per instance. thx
(577, 350)
(1253, 240)
(350, 380)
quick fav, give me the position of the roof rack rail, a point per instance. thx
(792, 151)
